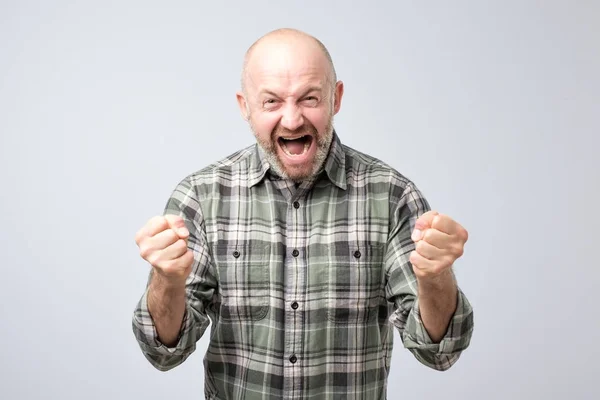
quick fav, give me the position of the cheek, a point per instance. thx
(264, 123)
(318, 118)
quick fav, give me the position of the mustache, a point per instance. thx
(306, 129)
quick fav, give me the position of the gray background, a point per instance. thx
(490, 107)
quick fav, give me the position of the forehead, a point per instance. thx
(286, 67)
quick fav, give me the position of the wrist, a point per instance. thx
(166, 284)
(437, 282)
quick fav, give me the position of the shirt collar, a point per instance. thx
(334, 167)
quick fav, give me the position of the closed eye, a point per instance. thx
(311, 100)
(269, 103)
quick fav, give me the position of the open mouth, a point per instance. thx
(297, 146)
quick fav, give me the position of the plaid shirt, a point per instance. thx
(303, 285)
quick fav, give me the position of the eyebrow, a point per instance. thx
(307, 91)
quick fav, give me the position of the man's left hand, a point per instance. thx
(439, 242)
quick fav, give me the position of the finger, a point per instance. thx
(438, 239)
(429, 251)
(150, 228)
(178, 268)
(178, 225)
(420, 262)
(424, 268)
(151, 247)
(422, 223)
(447, 225)
(175, 250)
(156, 225)
(162, 240)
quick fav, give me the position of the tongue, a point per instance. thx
(295, 146)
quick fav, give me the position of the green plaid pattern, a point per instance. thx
(303, 285)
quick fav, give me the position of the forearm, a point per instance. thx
(166, 304)
(437, 303)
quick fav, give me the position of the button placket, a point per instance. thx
(295, 283)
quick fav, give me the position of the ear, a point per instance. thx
(338, 93)
(241, 99)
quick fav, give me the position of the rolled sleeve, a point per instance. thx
(200, 289)
(159, 355)
(401, 290)
(440, 356)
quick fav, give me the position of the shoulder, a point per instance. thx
(381, 179)
(362, 166)
(229, 171)
(237, 161)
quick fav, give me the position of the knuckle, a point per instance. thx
(154, 259)
(174, 220)
(171, 235)
(413, 257)
(181, 244)
(428, 235)
(144, 250)
(419, 246)
(156, 223)
(456, 249)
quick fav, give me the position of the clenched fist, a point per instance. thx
(163, 243)
(439, 242)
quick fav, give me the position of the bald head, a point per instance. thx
(282, 43)
(290, 95)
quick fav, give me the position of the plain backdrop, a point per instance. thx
(490, 107)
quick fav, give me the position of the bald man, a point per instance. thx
(304, 253)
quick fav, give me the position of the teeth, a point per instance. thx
(289, 139)
(285, 150)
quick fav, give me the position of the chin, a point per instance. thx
(297, 173)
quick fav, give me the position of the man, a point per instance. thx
(304, 253)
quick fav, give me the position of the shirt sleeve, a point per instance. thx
(401, 290)
(200, 288)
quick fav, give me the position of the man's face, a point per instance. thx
(290, 102)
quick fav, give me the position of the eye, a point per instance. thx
(312, 100)
(269, 103)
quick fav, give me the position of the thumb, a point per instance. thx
(176, 223)
(423, 222)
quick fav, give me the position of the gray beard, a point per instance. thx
(323, 144)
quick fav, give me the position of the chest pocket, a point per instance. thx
(355, 283)
(243, 281)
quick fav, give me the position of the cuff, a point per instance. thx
(145, 331)
(456, 339)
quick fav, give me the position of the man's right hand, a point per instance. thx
(163, 243)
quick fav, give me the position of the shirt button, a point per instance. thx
(357, 254)
(296, 204)
(295, 305)
(293, 359)
(236, 254)
(295, 253)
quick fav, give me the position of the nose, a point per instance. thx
(291, 118)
